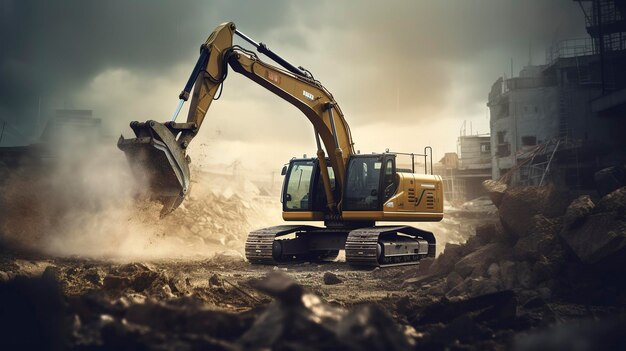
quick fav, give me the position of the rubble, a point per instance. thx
(496, 287)
(610, 179)
(599, 232)
(536, 249)
(331, 279)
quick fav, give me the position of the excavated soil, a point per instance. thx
(522, 276)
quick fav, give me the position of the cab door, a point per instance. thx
(370, 181)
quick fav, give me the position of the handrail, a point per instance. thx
(412, 154)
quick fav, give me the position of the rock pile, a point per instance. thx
(221, 217)
(544, 244)
(295, 319)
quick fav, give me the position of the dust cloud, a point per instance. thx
(83, 201)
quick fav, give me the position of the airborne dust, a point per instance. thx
(82, 200)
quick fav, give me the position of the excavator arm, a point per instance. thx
(161, 144)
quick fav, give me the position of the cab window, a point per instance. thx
(298, 190)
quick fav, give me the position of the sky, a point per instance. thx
(405, 73)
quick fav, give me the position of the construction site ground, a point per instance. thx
(525, 268)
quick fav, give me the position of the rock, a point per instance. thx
(615, 201)
(508, 274)
(578, 211)
(424, 265)
(51, 273)
(94, 276)
(585, 335)
(289, 322)
(524, 275)
(603, 235)
(493, 270)
(33, 315)
(370, 327)
(446, 261)
(488, 233)
(539, 242)
(215, 280)
(331, 279)
(482, 257)
(166, 317)
(499, 307)
(480, 285)
(520, 205)
(463, 330)
(144, 280)
(609, 179)
(114, 282)
(452, 280)
(280, 286)
(496, 190)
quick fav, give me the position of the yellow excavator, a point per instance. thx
(348, 191)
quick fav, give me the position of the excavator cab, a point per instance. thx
(370, 182)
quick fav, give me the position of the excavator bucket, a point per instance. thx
(159, 162)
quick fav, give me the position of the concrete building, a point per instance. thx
(564, 120)
(474, 163)
(464, 171)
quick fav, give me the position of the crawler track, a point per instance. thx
(363, 246)
(259, 245)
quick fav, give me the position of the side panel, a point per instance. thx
(418, 198)
(303, 216)
(392, 216)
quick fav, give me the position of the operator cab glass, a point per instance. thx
(297, 193)
(371, 181)
(303, 189)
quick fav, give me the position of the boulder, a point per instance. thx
(601, 236)
(540, 240)
(578, 211)
(491, 233)
(496, 190)
(508, 274)
(370, 327)
(482, 257)
(446, 261)
(520, 205)
(452, 280)
(609, 179)
(615, 201)
(331, 279)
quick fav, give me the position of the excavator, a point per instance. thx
(347, 191)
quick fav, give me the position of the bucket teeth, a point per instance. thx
(158, 162)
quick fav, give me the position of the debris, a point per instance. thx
(215, 280)
(610, 179)
(331, 279)
(496, 190)
(601, 236)
(578, 211)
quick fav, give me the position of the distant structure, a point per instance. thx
(70, 126)
(464, 171)
(565, 120)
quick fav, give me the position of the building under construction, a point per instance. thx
(565, 120)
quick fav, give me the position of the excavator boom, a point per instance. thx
(157, 154)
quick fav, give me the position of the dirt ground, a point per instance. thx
(94, 275)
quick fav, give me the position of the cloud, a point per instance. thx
(390, 64)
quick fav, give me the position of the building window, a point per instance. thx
(501, 137)
(485, 148)
(504, 150)
(529, 140)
